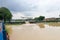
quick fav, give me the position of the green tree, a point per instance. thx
(5, 13)
(1, 17)
(40, 18)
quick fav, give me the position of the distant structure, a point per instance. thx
(27, 17)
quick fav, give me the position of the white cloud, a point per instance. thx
(47, 8)
(17, 15)
(46, 14)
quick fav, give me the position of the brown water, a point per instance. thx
(34, 32)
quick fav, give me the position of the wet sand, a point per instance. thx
(34, 32)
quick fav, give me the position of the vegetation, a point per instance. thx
(1, 16)
(40, 18)
(8, 29)
(41, 25)
(54, 24)
(5, 14)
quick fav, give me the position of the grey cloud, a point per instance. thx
(15, 6)
(0, 3)
(20, 6)
(25, 5)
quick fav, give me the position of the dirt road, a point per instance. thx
(34, 32)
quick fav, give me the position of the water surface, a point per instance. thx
(34, 32)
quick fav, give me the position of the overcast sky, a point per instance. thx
(33, 8)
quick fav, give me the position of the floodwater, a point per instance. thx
(34, 32)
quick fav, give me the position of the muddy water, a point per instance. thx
(34, 32)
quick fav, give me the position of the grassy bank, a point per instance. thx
(54, 24)
(8, 29)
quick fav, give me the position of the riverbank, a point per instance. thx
(54, 24)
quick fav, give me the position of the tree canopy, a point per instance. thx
(40, 18)
(5, 14)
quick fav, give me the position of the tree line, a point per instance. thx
(40, 18)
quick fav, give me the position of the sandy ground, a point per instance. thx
(34, 32)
